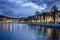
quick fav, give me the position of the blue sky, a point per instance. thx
(24, 8)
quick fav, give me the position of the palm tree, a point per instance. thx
(44, 17)
(30, 18)
(45, 14)
(40, 17)
(36, 15)
(54, 8)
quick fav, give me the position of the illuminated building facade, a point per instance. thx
(52, 15)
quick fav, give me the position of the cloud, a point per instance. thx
(35, 6)
(17, 8)
(18, 1)
(49, 0)
(7, 8)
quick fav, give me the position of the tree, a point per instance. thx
(54, 8)
(40, 17)
(29, 18)
(44, 17)
(36, 15)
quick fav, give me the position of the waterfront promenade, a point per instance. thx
(42, 24)
(47, 24)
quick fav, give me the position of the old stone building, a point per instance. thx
(53, 15)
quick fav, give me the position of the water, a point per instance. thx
(11, 31)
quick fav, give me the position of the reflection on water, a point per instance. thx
(11, 27)
(28, 32)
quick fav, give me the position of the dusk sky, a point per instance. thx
(19, 8)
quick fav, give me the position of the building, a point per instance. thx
(8, 19)
(53, 15)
